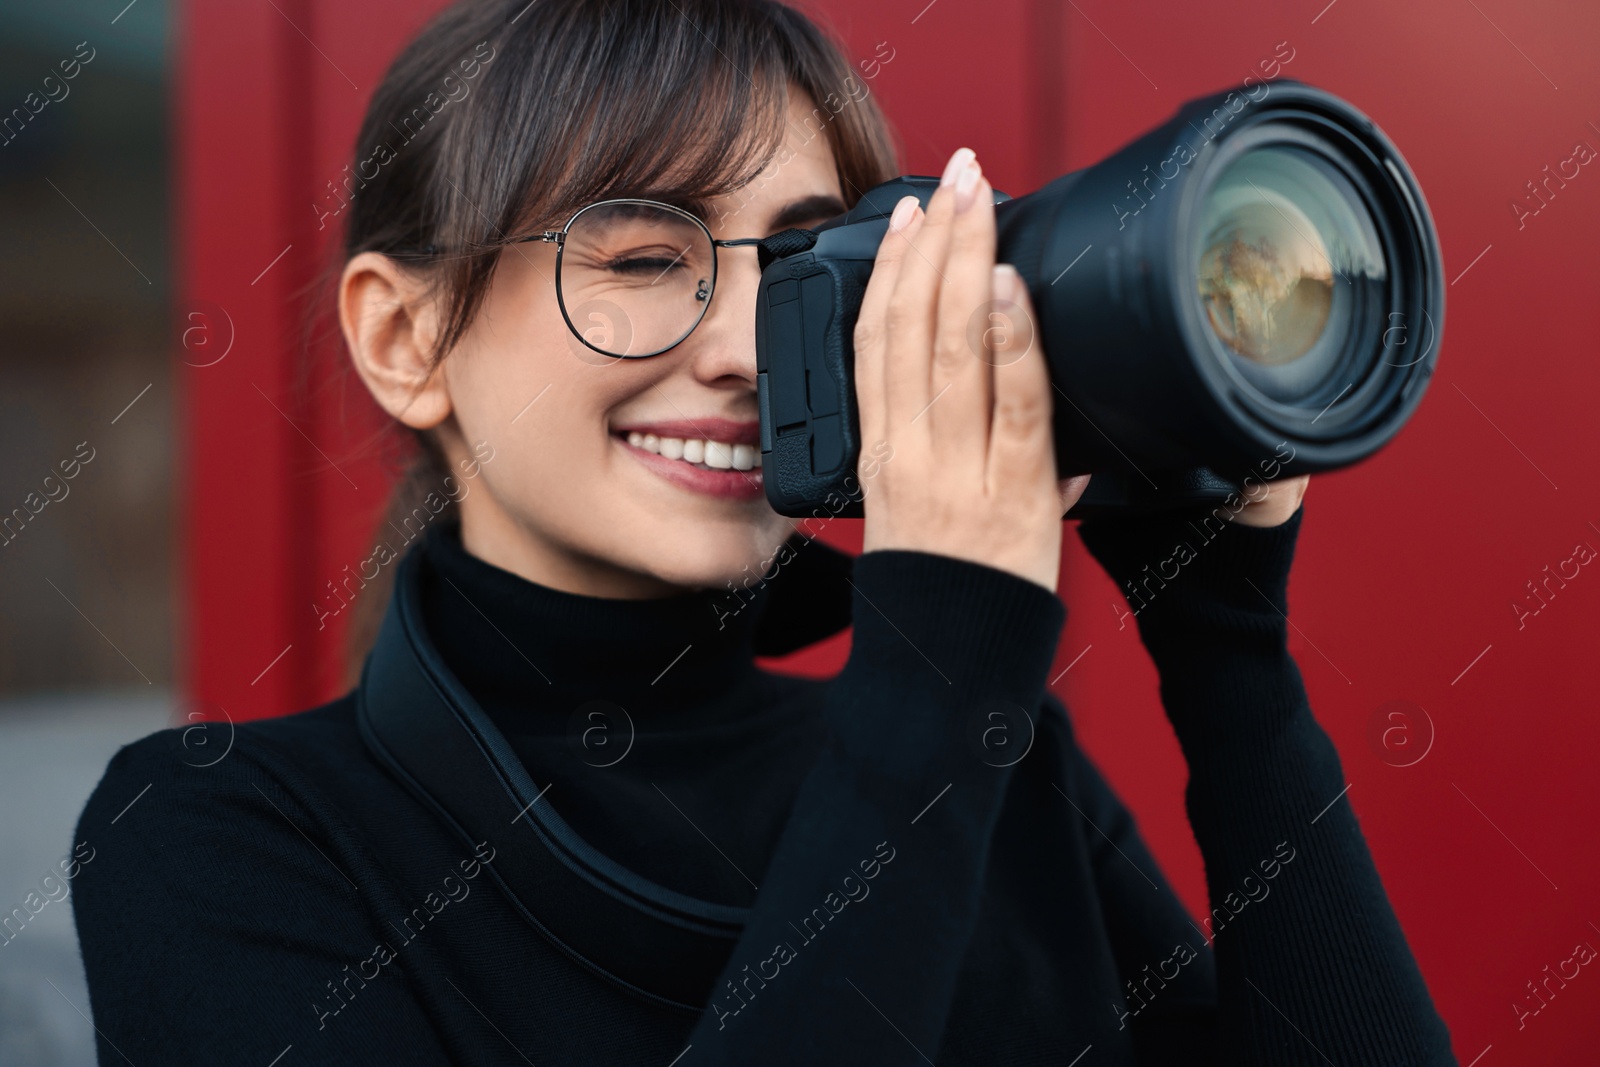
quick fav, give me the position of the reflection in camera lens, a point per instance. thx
(1286, 259)
(1266, 286)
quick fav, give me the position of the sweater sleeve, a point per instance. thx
(1312, 966)
(810, 601)
(216, 926)
(1169, 1014)
(863, 915)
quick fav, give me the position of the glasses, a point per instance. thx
(634, 277)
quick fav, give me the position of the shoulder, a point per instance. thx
(211, 826)
(225, 798)
(212, 757)
(225, 865)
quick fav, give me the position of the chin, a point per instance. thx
(710, 559)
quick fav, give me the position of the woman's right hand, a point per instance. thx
(949, 373)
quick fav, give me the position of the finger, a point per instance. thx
(1072, 490)
(1021, 448)
(871, 334)
(910, 317)
(1281, 500)
(968, 322)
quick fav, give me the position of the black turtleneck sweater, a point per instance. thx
(912, 862)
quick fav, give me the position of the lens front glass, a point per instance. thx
(1289, 269)
(635, 277)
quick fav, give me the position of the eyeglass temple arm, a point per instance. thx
(554, 236)
(783, 243)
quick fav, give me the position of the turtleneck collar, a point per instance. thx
(515, 643)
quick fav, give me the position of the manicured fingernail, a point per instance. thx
(967, 187)
(903, 211)
(957, 164)
(1004, 283)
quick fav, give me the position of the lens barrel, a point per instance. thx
(1255, 282)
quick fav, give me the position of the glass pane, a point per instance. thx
(635, 278)
(1289, 264)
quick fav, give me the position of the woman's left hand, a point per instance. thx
(1277, 504)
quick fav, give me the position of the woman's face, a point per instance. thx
(575, 496)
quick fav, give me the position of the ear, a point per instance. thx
(390, 325)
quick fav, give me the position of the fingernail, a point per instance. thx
(1004, 283)
(903, 211)
(957, 164)
(967, 187)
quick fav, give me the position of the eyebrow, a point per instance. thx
(820, 206)
(805, 209)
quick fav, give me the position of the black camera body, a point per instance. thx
(805, 355)
(1147, 396)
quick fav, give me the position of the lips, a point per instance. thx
(715, 457)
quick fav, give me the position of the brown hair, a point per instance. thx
(513, 115)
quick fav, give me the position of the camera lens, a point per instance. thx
(1288, 264)
(1257, 277)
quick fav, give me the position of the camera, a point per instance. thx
(1252, 289)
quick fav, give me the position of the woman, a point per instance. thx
(563, 818)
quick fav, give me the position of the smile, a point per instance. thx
(713, 457)
(708, 455)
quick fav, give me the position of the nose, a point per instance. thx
(723, 346)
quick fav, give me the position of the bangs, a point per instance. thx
(669, 110)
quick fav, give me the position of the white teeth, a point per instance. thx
(718, 455)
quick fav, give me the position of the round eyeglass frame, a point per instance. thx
(559, 239)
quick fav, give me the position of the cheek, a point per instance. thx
(545, 413)
(515, 367)
(517, 384)
(522, 383)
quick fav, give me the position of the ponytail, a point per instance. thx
(424, 473)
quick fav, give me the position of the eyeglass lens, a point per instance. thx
(635, 278)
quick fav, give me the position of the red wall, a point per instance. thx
(1409, 564)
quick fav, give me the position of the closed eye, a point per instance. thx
(651, 265)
